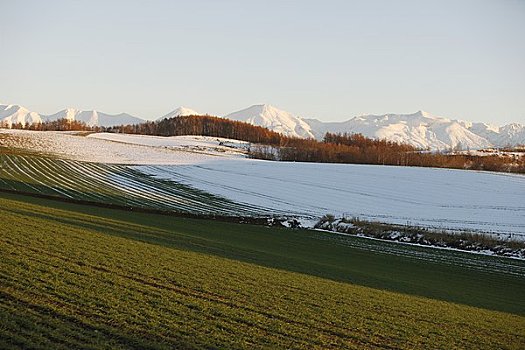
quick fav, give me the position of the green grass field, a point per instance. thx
(75, 276)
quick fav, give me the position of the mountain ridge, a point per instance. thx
(14, 114)
(420, 129)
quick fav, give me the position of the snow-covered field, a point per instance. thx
(199, 144)
(437, 198)
(123, 149)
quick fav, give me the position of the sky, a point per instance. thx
(329, 60)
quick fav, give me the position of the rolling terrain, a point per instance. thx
(74, 276)
(167, 173)
(102, 249)
(109, 184)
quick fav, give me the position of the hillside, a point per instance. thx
(77, 282)
(167, 172)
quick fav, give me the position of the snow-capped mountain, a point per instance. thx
(507, 135)
(14, 114)
(94, 118)
(179, 112)
(274, 119)
(513, 133)
(420, 129)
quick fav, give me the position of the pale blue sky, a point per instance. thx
(326, 59)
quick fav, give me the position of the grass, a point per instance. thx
(477, 280)
(74, 276)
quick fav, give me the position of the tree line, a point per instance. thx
(358, 149)
(55, 125)
(270, 145)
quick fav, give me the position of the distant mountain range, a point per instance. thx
(420, 129)
(14, 114)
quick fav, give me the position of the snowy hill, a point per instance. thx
(428, 197)
(179, 112)
(273, 119)
(14, 114)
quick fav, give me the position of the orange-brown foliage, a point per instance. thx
(335, 148)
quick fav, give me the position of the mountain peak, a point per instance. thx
(262, 107)
(274, 119)
(425, 114)
(14, 114)
(179, 112)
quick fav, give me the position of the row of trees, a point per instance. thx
(55, 125)
(335, 147)
(203, 125)
(357, 149)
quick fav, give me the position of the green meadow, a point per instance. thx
(76, 276)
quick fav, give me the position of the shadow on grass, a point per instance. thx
(357, 261)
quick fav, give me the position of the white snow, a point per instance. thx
(204, 144)
(437, 198)
(124, 149)
(274, 119)
(179, 112)
(13, 114)
(94, 118)
(420, 129)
